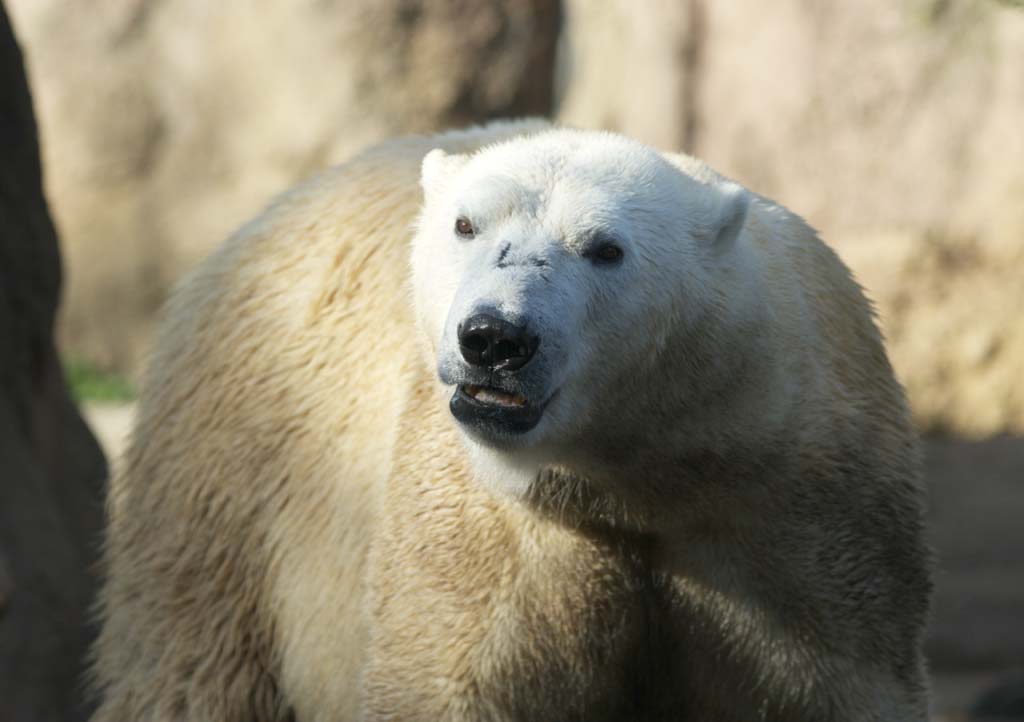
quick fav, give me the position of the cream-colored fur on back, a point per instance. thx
(290, 421)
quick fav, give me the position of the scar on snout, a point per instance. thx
(500, 263)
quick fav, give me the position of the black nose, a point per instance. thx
(493, 343)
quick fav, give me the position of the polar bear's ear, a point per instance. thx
(438, 167)
(731, 214)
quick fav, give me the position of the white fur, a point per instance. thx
(545, 197)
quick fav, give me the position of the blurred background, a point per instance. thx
(895, 127)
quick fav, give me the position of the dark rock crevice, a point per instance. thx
(51, 469)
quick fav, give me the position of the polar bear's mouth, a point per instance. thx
(493, 412)
(494, 397)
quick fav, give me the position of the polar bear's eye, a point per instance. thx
(607, 252)
(464, 228)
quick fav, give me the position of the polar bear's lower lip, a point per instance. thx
(494, 412)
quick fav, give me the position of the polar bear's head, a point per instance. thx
(559, 279)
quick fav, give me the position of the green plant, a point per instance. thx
(88, 382)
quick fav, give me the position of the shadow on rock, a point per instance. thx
(51, 469)
(976, 514)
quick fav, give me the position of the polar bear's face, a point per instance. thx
(551, 274)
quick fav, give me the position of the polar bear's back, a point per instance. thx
(266, 421)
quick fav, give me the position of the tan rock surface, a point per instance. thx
(112, 424)
(872, 116)
(632, 71)
(869, 116)
(953, 313)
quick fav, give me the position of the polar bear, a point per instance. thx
(620, 443)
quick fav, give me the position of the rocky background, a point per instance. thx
(896, 127)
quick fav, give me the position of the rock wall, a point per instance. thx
(952, 309)
(51, 470)
(867, 116)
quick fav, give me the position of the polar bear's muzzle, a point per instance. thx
(491, 396)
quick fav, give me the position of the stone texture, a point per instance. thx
(951, 309)
(865, 116)
(51, 470)
(871, 116)
(167, 123)
(631, 71)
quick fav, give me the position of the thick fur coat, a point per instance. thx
(717, 517)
